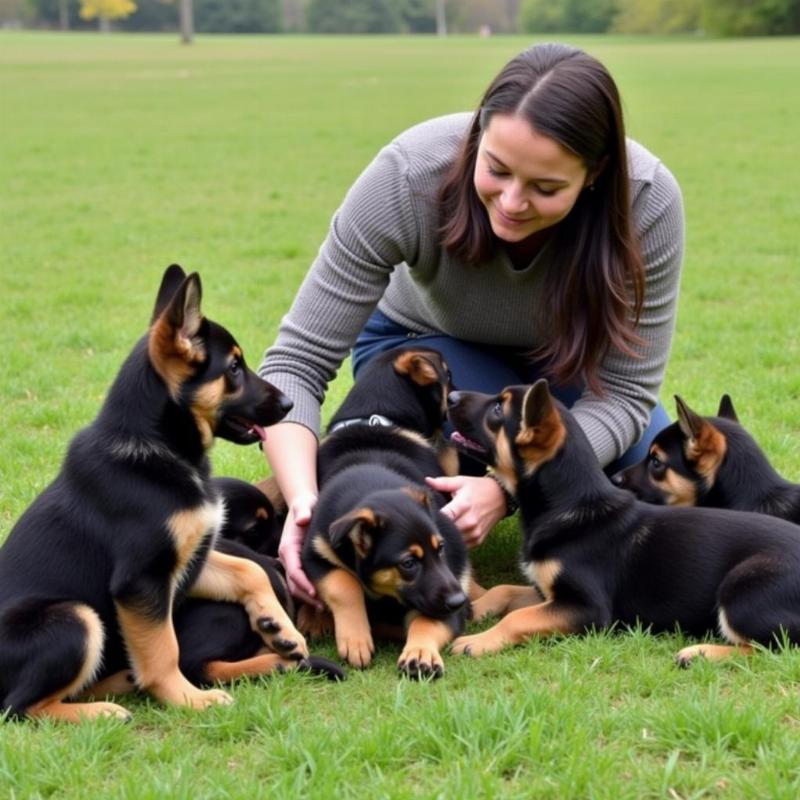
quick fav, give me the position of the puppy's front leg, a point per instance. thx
(520, 625)
(420, 656)
(344, 596)
(153, 651)
(239, 580)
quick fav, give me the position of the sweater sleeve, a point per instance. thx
(373, 231)
(616, 422)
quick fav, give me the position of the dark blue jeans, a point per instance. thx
(484, 368)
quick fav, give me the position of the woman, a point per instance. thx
(527, 239)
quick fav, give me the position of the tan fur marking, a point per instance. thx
(153, 652)
(269, 487)
(707, 452)
(473, 589)
(712, 652)
(205, 406)
(76, 712)
(680, 491)
(417, 495)
(413, 436)
(322, 548)
(121, 682)
(503, 598)
(448, 459)
(539, 443)
(656, 451)
(544, 575)
(53, 706)
(386, 582)
(417, 551)
(426, 637)
(417, 366)
(172, 355)
(436, 543)
(262, 513)
(189, 528)
(239, 580)
(504, 458)
(344, 595)
(226, 671)
(517, 627)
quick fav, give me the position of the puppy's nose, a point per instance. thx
(618, 479)
(285, 404)
(455, 600)
(453, 399)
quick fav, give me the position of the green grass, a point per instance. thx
(121, 154)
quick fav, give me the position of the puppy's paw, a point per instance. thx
(282, 638)
(203, 698)
(357, 649)
(479, 644)
(420, 662)
(314, 624)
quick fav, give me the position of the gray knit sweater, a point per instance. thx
(382, 250)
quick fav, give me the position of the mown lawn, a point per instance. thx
(121, 154)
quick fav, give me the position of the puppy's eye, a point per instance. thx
(235, 367)
(409, 564)
(440, 551)
(657, 466)
(497, 409)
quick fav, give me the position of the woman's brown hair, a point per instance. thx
(596, 285)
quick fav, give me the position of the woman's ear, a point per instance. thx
(593, 174)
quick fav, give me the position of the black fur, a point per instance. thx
(374, 511)
(743, 480)
(612, 558)
(98, 539)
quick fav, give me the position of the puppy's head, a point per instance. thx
(204, 369)
(684, 460)
(516, 431)
(250, 517)
(408, 385)
(400, 552)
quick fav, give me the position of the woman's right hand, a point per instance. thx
(292, 538)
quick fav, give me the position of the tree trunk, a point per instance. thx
(441, 19)
(63, 14)
(186, 21)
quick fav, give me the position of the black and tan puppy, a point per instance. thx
(90, 572)
(382, 556)
(601, 556)
(710, 461)
(250, 517)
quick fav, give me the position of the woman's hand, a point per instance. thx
(294, 533)
(477, 505)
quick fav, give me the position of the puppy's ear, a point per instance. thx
(170, 283)
(173, 344)
(359, 526)
(420, 495)
(418, 366)
(726, 409)
(537, 405)
(705, 444)
(691, 424)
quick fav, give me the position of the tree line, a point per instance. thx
(712, 17)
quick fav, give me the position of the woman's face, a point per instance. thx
(527, 181)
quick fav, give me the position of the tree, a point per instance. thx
(575, 16)
(106, 10)
(751, 17)
(354, 16)
(238, 16)
(657, 16)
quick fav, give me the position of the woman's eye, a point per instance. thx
(496, 173)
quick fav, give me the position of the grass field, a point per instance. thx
(119, 155)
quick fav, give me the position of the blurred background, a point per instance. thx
(485, 17)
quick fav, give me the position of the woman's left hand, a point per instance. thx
(477, 505)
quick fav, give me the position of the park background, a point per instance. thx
(122, 153)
